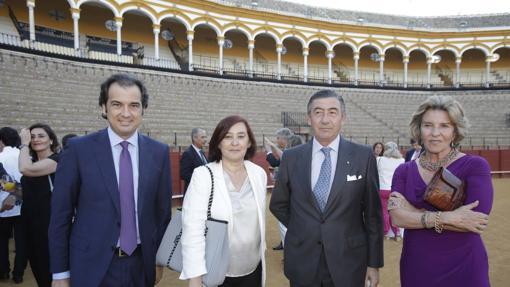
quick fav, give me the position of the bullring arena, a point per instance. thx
(203, 60)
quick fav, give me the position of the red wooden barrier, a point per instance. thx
(499, 160)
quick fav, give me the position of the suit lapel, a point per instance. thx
(104, 157)
(306, 175)
(343, 166)
(144, 158)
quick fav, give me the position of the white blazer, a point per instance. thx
(194, 214)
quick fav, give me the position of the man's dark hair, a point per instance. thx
(221, 131)
(66, 138)
(413, 141)
(10, 137)
(122, 80)
(322, 94)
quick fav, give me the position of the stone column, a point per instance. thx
(458, 60)
(381, 69)
(305, 63)
(76, 16)
(156, 28)
(221, 41)
(330, 54)
(279, 49)
(488, 60)
(31, 18)
(118, 24)
(405, 60)
(251, 46)
(189, 35)
(429, 71)
(356, 70)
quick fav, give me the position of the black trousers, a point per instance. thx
(322, 276)
(253, 279)
(36, 235)
(12, 226)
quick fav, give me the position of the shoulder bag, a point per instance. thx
(216, 245)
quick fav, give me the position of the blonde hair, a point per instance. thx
(391, 150)
(443, 103)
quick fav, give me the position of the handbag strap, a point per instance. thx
(178, 237)
(211, 196)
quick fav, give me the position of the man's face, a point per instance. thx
(326, 119)
(281, 142)
(200, 139)
(124, 109)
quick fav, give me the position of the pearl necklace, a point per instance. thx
(425, 162)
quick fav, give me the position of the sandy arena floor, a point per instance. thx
(496, 238)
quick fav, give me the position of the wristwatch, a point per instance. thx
(22, 146)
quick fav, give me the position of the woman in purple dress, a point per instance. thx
(442, 248)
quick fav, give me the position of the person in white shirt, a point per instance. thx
(10, 219)
(386, 166)
(239, 199)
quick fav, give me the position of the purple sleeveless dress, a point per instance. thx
(451, 258)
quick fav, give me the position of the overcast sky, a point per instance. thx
(416, 7)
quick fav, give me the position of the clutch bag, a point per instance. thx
(446, 192)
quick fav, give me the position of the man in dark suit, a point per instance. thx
(414, 152)
(327, 196)
(193, 156)
(111, 199)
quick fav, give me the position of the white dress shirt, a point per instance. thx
(115, 141)
(9, 159)
(318, 158)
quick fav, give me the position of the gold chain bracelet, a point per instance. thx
(438, 227)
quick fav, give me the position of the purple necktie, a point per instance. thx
(127, 201)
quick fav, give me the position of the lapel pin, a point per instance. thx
(348, 162)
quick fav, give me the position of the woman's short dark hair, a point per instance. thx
(221, 131)
(10, 137)
(122, 80)
(55, 146)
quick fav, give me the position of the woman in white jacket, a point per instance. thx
(239, 199)
(386, 166)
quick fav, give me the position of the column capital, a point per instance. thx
(330, 54)
(306, 51)
(251, 44)
(405, 59)
(381, 58)
(458, 60)
(279, 47)
(75, 11)
(430, 60)
(118, 21)
(190, 34)
(30, 3)
(221, 40)
(156, 28)
(355, 56)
